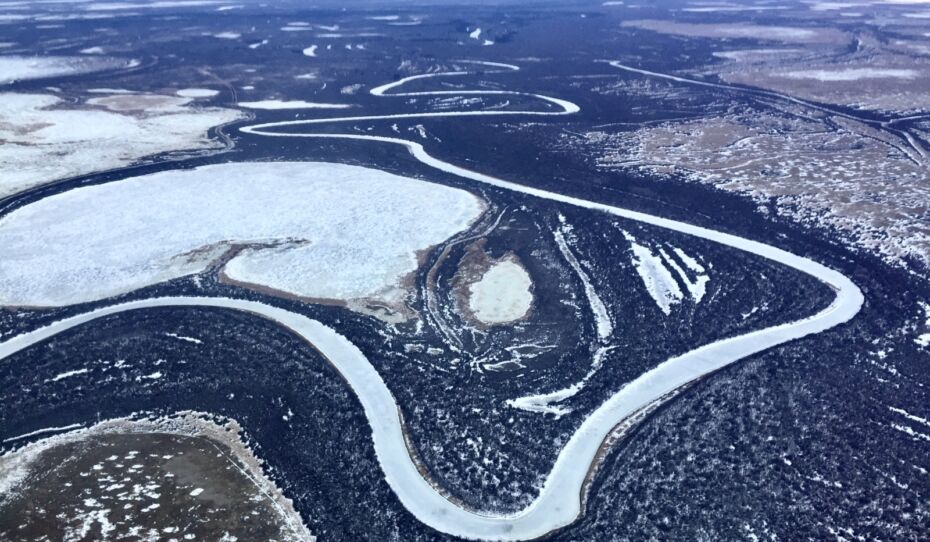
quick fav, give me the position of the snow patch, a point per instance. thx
(503, 294)
(68, 374)
(656, 277)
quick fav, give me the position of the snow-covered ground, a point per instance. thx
(658, 271)
(502, 294)
(851, 74)
(315, 230)
(22, 68)
(45, 142)
(140, 480)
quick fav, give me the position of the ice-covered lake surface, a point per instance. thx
(453, 277)
(309, 229)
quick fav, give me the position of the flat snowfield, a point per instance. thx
(851, 74)
(47, 140)
(502, 294)
(22, 68)
(314, 230)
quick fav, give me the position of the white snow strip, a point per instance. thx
(291, 104)
(657, 279)
(310, 51)
(197, 92)
(68, 374)
(603, 323)
(907, 430)
(183, 338)
(697, 288)
(43, 431)
(742, 54)
(726, 9)
(544, 402)
(228, 35)
(910, 416)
